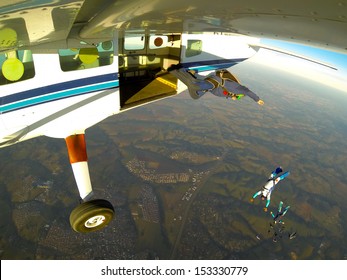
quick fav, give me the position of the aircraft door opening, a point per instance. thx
(143, 61)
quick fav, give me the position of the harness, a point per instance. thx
(224, 75)
(268, 190)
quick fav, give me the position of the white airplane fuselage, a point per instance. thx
(56, 103)
(60, 103)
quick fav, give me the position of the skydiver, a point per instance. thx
(280, 213)
(220, 83)
(267, 189)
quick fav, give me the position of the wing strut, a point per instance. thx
(76, 146)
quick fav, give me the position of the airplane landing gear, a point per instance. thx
(91, 216)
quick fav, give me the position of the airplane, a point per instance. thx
(66, 65)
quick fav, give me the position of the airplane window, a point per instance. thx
(16, 66)
(194, 47)
(134, 42)
(86, 58)
(156, 42)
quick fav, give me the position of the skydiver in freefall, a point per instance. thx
(220, 83)
(267, 189)
(279, 232)
(280, 213)
(278, 227)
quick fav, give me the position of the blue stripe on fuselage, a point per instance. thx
(77, 87)
(57, 91)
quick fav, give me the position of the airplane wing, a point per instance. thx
(25, 24)
(289, 53)
(67, 22)
(322, 23)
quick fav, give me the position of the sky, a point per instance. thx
(333, 58)
(315, 72)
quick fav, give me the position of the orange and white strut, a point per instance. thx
(76, 146)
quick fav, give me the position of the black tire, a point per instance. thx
(91, 216)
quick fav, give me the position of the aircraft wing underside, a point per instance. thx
(68, 22)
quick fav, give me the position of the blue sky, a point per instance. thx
(303, 68)
(339, 60)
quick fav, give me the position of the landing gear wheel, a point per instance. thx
(91, 215)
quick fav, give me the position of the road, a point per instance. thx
(199, 188)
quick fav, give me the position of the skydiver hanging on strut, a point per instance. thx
(220, 83)
(267, 189)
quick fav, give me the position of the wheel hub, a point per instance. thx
(94, 221)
